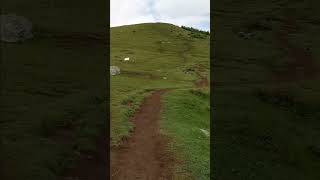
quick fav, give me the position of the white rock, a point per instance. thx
(205, 132)
(114, 70)
(127, 59)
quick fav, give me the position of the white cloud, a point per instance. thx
(125, 12)
(195, 13)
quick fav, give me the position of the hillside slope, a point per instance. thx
(161, 56)
(169, 59)
(53, 89)
(270, 83)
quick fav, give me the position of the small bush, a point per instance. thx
(199, 93)
(196, 32)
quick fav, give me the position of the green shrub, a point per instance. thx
(196, 32)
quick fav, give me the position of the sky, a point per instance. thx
(191, 13)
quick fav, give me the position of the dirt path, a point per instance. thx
(144, 155)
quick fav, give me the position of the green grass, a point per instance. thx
(53, 103)
(264, 129)
(156, 50)
(44, 99)
(54, 86)
(185, 113)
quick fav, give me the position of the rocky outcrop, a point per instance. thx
(114, 70)
(15, 28)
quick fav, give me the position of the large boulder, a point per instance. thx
(15, 28)
(114, 70)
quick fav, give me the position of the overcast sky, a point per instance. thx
(194, 13)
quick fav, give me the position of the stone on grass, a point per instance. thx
(15, 28)
(245, 35)
(127, 59)
(114, 70)
(205, 132)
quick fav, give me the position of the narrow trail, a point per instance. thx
(144, 155)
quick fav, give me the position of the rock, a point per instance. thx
(126, 59)
(164, 78)
(114, 70)
(246, 35)
(205, 132)
(15, 28)
(241, 34)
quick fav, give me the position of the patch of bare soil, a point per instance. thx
(145, 154)
(202, 81)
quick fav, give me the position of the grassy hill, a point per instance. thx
(53, 89)
(48, 116)
(162, 56)
(266, 88)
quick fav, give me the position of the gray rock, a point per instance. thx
(15, 28)
(114, 70)
(241, 34)
(246, 35)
